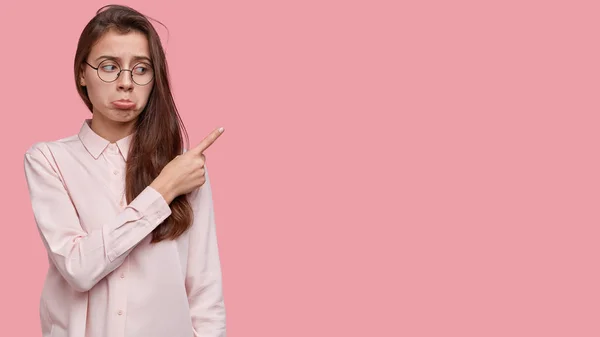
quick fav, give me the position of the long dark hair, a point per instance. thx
(158, 134)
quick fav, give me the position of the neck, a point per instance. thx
(111, 130)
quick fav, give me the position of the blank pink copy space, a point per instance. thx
(387, 168)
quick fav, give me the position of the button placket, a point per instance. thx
(117, 179)
(115, 172)
(121, 297)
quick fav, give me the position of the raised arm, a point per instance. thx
(85, 258)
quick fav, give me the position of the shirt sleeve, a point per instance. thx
(85, 258)
(203, 279)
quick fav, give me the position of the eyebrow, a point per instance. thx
(137, 57)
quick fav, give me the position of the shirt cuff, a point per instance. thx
(152, 204)
(148, 210)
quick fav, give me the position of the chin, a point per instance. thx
(124, 115)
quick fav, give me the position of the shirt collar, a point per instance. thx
(95, 144)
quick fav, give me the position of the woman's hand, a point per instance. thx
(185, 172)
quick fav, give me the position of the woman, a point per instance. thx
(125, 213)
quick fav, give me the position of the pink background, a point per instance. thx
(387, 168)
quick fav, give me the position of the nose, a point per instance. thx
(125, 81)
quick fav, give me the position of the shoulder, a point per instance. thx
(37, 151)
(51, 145)
(48, 149)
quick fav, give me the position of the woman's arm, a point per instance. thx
(85, 258)
(203, 280)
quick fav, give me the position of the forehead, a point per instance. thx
(122, 46)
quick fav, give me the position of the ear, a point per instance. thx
(82, 77)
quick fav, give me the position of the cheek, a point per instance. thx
(96, 93)
(145, 95)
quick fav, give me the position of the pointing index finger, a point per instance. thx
(208, 141)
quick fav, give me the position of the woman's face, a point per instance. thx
(121, 100)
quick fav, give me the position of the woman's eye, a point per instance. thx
(109, 67)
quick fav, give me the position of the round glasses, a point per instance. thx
(109, 70)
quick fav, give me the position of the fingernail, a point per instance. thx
(221, 130)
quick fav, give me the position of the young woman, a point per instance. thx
(124, 211)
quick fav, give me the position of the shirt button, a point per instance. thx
(120, 312)
(115, 172)
(122, 275)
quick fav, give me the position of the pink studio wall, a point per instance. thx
(388, 168)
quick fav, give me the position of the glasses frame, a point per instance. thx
(120, 71)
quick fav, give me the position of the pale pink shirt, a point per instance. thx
(105, 279)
